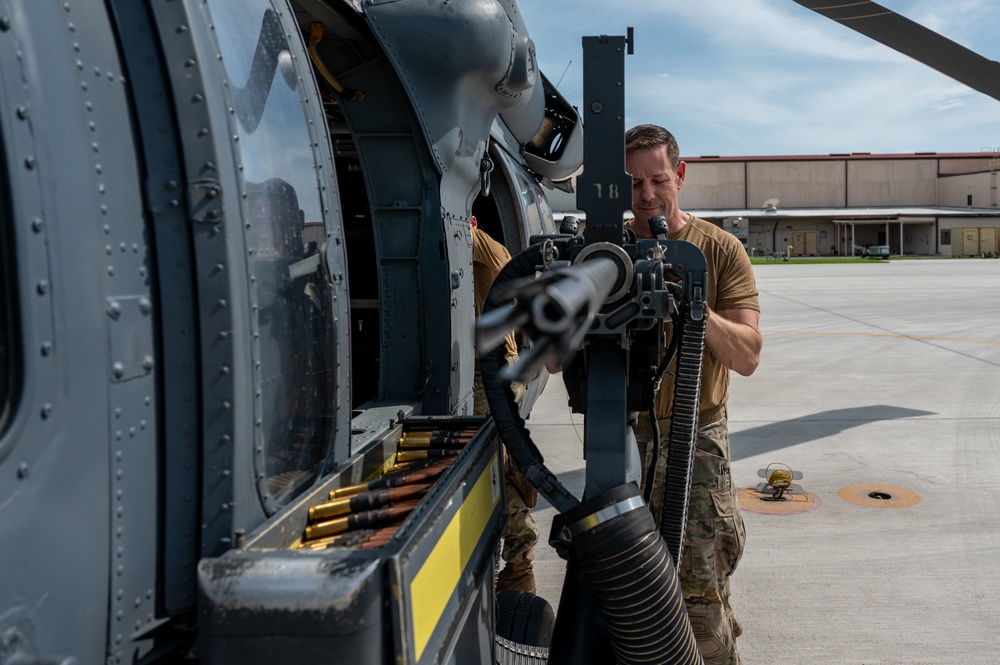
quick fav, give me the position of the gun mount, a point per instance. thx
(596, 305)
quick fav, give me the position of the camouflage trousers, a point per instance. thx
(714, 538)
(522, 533)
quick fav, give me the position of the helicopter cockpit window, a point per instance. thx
(290, 296)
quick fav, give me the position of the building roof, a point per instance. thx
(850, 214)
(857, 214)
(842, 156)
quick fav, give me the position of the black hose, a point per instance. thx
(505, 412)
(632, 579)
(683, 432)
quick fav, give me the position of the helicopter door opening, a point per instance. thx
(336, 43)
(362, 267)
(498, 214)
(396, 269)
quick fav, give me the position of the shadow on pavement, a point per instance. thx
(785, 433)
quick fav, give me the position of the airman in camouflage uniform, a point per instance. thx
(714, 538)
(521, 534)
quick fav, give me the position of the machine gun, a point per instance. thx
(597, 307)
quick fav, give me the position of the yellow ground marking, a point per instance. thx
(437, 578)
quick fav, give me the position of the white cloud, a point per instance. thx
(738, 77)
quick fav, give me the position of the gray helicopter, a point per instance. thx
(235, 268)
(235, 279)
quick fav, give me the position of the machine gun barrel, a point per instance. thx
(554, 310)
(568, 304)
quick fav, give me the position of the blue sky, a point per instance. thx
(770, 77)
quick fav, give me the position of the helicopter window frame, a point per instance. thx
(286, 228)
(11, 369)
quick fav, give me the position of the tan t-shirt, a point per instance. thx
(731, 285)
(488, 259)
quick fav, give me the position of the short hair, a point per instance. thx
(641, 137)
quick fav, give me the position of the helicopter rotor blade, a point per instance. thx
(914, 40)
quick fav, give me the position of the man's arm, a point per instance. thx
(733, 336)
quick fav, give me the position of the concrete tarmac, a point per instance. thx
(876, 378)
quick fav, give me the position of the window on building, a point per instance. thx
(945, 236)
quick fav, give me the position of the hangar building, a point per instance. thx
(924, 204)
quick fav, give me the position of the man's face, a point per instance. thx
(655, 186)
